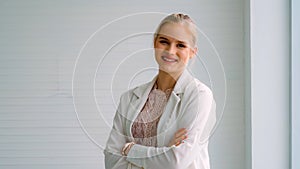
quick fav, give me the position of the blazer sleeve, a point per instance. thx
(116, 140)
(194, 118)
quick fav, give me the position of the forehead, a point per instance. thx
(176, 31)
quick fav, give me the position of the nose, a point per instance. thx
(171, 49)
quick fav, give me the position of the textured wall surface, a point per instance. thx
(110, 43)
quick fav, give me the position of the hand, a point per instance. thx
(178, 138)
(126, 148)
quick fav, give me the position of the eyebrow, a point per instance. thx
(168, 40)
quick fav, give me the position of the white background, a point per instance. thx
(39, 44)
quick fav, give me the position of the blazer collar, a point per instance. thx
(182, 82)
(145, 88)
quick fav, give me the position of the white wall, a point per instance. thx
(40, 42)
(270, 80)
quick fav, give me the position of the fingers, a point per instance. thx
(180, 140)
(180, 136)
(180, 133)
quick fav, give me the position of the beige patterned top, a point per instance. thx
(144, 128)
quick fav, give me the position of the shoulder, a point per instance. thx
(191, 87)
(136, 91)
(197, 90)
(197, 100)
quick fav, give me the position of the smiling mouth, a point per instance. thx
(167, 59)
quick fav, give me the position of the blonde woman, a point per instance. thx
(165, 123)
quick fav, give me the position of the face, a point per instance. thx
(173, 48)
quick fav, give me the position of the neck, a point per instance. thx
(166, 81)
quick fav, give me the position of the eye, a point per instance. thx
(180, 45)
(163, 42)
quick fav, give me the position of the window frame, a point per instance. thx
(295, 83)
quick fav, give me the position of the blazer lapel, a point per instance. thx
(164, 122)
(172, 108)
(138, 100)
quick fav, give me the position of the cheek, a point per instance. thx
(158, 45)
(158, 49)
(184, 56)
(157, 53)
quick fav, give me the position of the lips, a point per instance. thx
(169, 59)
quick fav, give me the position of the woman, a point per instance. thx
(165, 123)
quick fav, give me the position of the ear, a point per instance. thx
(193, 51)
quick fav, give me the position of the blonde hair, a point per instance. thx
(181, 19)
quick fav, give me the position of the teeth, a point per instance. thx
(168, 60)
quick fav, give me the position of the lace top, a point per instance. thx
(144, 128)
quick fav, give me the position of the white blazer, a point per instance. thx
(190, 105)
